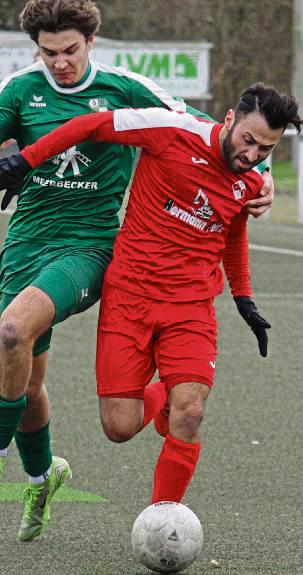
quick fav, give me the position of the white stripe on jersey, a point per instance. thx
(32, 68)
(159, 92)
(127, 119)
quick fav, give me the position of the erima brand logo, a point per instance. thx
(213, 364)
(239, 189)
(98, 104)
(37, 102)
(199, 160)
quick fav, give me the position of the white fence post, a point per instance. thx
(300, 179)
(293, 132)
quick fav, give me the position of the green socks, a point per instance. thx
(34, 447)
(34, 450)
(10, 416)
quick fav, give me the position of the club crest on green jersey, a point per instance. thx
(98, 104)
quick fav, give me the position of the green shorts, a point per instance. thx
(72, 277)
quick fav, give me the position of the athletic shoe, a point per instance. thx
(161, 420)
(37, 499)
(2, 464)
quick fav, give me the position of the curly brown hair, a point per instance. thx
(57, 15)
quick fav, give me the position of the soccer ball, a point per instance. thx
(167, 537)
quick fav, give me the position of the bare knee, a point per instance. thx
(187, 403)
(34, 390)
(121, 419)
(188, 417)
(116, 433)
(28, 316)
(10, 336)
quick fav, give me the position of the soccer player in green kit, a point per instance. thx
(60, 238)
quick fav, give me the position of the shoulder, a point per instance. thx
(162, 118)
(17, 78)
(118, 74)
(113, 72)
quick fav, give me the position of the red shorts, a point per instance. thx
(137, 335)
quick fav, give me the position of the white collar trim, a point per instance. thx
(74, 89)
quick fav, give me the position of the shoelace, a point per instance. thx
(31, 496)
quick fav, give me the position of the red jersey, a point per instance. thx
(185, 212)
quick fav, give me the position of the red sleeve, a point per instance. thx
(235, 259)
(152, 128)
(68, 135)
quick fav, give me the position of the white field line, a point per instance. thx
(269, 295)
(273, 250)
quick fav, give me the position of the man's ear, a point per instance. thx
(229, 119)
(90, 41)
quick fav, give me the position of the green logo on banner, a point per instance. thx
(167, 65)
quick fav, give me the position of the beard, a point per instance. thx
(231, 157)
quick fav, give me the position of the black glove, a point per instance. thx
(12, 172)
(249, 311)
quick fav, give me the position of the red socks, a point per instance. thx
(154, 399)
(174, 469)
(178, 459)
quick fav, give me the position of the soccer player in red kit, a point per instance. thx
(185, 216)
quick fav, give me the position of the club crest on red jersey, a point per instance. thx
(239, 189)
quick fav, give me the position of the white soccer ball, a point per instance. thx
(167, 537)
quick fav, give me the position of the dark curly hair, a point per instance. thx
(278, 109)
(57, 15)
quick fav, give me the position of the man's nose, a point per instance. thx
(252, 154)
(60, 62)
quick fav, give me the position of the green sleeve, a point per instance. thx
(8, 114)
(145, 94)
(262, 167)
(195, 112)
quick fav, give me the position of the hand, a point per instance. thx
(248, 310)
(260, 205)
(12, 172)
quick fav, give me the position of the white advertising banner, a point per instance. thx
(181, 68)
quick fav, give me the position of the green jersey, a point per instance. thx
(73, 197)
